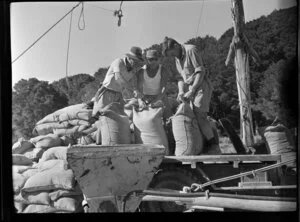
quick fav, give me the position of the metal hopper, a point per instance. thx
(107, 173)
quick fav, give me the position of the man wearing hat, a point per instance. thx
(194, 84)
(151, 82)
(118, 78)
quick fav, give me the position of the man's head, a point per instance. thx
(171, 48)
(135, 57)
(152, 58)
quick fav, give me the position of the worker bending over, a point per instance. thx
(118, 78)
(193, 83)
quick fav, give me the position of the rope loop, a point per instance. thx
(81, 16)
(196, 187)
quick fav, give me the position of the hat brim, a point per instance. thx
(134, 57)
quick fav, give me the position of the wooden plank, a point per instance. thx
(233, 203)
(224, 158)
(258, 188)
(124, 149)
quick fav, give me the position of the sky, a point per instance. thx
(144, 23)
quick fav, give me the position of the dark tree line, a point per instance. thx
(273, 81)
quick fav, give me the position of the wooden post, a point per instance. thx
(240, 45)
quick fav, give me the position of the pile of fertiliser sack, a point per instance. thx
(43, 181)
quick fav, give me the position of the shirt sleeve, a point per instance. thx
(116, 65)
(196, 59)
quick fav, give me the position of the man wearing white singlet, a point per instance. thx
(151, 83)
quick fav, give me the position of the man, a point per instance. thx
(193, 84)
(118, 78)
(151, 83)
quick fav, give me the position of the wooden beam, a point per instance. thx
(225, 158)
(258, 188)
(233, 203)
(241, 61)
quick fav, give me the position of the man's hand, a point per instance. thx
(142, 104)
(189, 95)
(180, 97)
(137, 94)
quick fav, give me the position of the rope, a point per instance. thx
(200, 18)
(69, 39)
(197, 187)
(81, 15)
(45, 33)
(119, 14)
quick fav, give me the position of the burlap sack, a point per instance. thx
(21, 159)
(21, 169)
(47, 128)
(114, 128)
(18, 182)
(56, 194)
(52, 164)
(30, 172)
(148, 127)
(59, 152)
(34, 154)
(68, 203)
(34, 198)
(279, 141)
(78, 111)
(38, 208)
(46, 141)
(19, 206)
(189, 140)
(49, 180)
(75, 131)
(21, 146)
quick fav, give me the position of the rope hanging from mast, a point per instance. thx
(119, 14)
(202, 6)
(81, 16)
(69, 39)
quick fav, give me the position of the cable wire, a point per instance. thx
(69, 39)
(45, 33)
(202, 6)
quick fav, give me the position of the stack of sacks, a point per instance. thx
(20, 164)
(25, 154)
(48, 186)
(73, 120)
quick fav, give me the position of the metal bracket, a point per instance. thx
(193, 164)
(236, 164)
